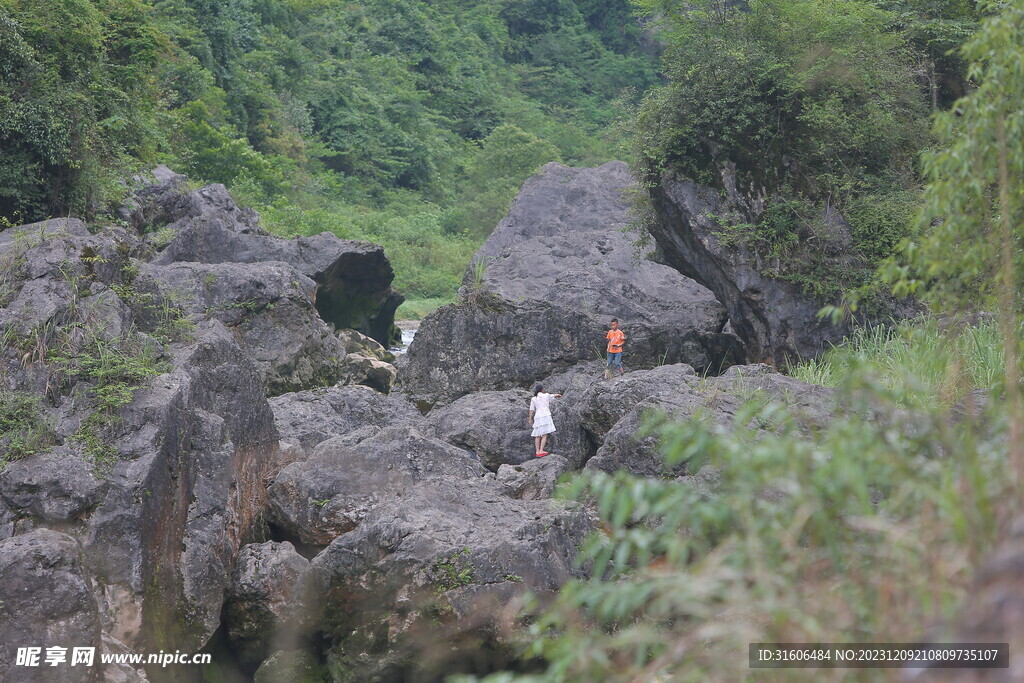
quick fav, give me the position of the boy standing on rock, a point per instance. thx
(616, 338)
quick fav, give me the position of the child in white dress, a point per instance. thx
(540, 419)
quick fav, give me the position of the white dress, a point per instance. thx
(542, 423)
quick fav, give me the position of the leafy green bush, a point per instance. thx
(78, 102)
(857, 533)
(880, 221)
(815, 106)
(22, 430)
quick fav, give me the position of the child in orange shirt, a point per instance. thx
(616, 338)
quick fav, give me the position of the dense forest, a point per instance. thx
(408, 123)
(414, 123)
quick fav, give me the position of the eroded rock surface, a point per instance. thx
(205, 226)
(344, 480)
(776, 319)
(544, 286)
(307, 418)
(439, 563)
(132, 382)
(260, 598)
(46, 601)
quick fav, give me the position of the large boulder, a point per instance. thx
(51, 488)
(308, 418)
(776, 318)
(541, 290)
(259, 604)
(534, 479)
(613, 412)
(490, 424)
(353, 278)
(47, 601)
(194, 450)
(344, 480)
(151, 452)
(269, 307)
(55, 270)
(441, 564)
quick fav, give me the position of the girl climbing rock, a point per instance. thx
(540, 419)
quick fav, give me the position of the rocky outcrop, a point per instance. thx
(259, 603)
(776, 319)
(46, 601)
(344, 480)
(613, 412)
(308, 418)
(185, 492)
(542, 289)
(135, 421)
(490, 424)
(437, 565)
(353, 279)
(534, 479)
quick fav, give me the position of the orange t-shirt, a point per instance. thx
(615, 340)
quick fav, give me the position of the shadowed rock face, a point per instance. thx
(545, 285)
(439, 565)
(774, 318)
(259, 598)
(148, 508)
(353, 278)
(46, 600)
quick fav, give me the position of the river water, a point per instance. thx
(408, 328)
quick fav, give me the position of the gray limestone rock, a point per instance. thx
(46, 601)
(777, 320)
(544, 287)
(613, 412)
(342, 482)
(446, 558)
(259, 601)
(368, 370)
(269, 307)
(51, 488)
(195, 449)
(534, 479)
(491, 424)
(307, 418)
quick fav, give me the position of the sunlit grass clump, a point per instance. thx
(926, 360)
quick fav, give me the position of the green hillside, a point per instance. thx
(408, 123)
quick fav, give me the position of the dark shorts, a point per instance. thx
(615, 359)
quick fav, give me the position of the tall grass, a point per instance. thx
(926, 360)
(418, 309)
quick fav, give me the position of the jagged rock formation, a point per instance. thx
(345, 479)
(134, 412)
(308, 418)
(330, 529)
(353, 278)
(259, 602)
(437, 565)
(541, 290)
(48, 600)
(776, 319)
